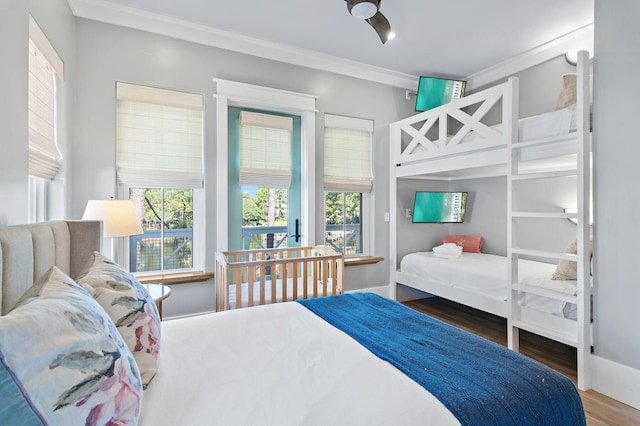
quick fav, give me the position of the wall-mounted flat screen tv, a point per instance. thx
(439, 207)
(433, 92)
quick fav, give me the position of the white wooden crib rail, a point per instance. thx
(256, 277)
(430, 134)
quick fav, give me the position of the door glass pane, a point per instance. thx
(343, 224)
(254, 222)
(167, 222)
(264, 217)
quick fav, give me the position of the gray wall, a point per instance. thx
(616, 151)
(486, 215)
(55, 19)
(110, 53)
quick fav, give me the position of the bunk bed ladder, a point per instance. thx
(578, 334)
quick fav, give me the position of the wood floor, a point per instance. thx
(600, 410)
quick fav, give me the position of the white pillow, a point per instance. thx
(62, 360)
(130, 307)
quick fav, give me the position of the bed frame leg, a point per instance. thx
(513, 338)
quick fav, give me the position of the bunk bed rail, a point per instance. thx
(446, 130)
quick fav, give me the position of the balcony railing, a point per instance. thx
(262, 237)
(144, 250)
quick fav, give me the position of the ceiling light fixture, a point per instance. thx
(369, 10)
(363, 9)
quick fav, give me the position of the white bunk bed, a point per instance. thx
(425, 146)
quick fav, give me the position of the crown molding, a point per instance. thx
(111, 13)
(580, 39)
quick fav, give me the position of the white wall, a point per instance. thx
(55, 19)
(616, 151)
(108, 53)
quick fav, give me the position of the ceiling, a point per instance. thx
(442, 38)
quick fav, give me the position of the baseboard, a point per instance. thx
(187, 315)
(383, 291)
(616, 381)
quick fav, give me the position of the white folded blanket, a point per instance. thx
(447, 250)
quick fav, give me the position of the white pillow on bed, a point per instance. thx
(62, 360)
(130, 307)
(568, 269)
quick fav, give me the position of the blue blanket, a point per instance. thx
(480, 382)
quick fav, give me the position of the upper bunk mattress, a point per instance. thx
(553, 123)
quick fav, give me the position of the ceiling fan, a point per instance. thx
(369, 10)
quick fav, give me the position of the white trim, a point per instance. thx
(383, 291)
(249, 95)
(580, 39)
(616, 381)
(42, 42)
(352, 123)
(115, 14)
(194, 314)
(232, 93)
(109, 12)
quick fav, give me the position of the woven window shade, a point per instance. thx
(44, 156)
(159, 137)
(265, 150)
(347, 154)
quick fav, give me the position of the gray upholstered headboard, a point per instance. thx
(28, 251)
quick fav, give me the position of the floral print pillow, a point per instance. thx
(130, 307)
(62, 361)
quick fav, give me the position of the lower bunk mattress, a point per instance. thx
(355, 359)
(486, 274)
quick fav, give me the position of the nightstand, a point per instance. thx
(158, 292)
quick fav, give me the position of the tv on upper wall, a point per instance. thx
(439, 207)
(433, 92)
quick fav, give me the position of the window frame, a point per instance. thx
(180, 99)
(39, 188)
(123, 244)
(368, 198)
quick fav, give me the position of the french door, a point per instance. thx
(264, 179)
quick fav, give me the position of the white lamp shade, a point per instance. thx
(119, 217)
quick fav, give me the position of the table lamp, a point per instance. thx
(119, 219)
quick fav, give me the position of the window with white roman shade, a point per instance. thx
(347, 154)
(44, 65)
(159, 137)
(265, 150)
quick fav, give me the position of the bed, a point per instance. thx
(346, 359)
(255, 277)
(466, 139)
(482, 278)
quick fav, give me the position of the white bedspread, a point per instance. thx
(486, 274)
(278, 365)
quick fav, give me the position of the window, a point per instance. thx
(348, 182)
(159, 155)
(167, 221)
(45, 67)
